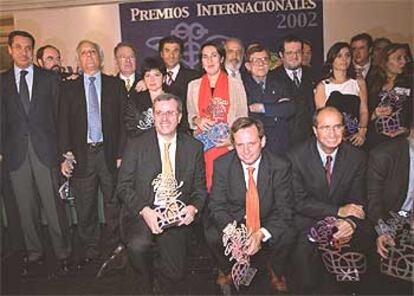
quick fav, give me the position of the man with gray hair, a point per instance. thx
(234, 56)
(91, 129)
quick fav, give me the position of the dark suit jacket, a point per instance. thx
(179, 88)
(142, 163)
(388, 173)
(314, 199)
(132, 90)
(300, 127)
(40, 124)
(276, 116)
(227, 200)
(74, 123)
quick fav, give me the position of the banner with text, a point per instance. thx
(199, 21)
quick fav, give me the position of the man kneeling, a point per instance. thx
(251, 186)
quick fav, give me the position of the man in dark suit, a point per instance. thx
(300, 82)
(90, 127)
(328, 180)
(268, 100)
(30, 150)
(362, 47)
(126, 60)
(234, 57)
(171, 50)
(390, 188)
(228, 200)
(173, 154)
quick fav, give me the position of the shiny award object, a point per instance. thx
(400, 261)
(169, 208)
(395, 99)
(65, 191)
(213, 136)
(337, 255)
(235, 243)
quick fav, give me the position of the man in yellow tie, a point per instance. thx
(160, 167)
(251, 186)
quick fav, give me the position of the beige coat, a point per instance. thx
(238, 100)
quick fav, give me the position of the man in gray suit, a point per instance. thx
(30, 101)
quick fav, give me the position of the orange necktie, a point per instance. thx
(252, 204)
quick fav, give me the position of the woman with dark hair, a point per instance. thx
(214, 101)
(341, 90)
(391, 95)
(138, 115)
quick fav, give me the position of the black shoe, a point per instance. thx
(117, 261)
(64, 266)
(32, 268)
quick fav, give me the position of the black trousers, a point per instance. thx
(85, 189)
(274, 255)
(156, 257)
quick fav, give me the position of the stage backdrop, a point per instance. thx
(198, 21)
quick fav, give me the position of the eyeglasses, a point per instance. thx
(258, 61)
(167, 113)
(326, 128)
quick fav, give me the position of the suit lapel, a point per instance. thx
(35, 88)
(155, 152)
(317, 168)
(237, 178)
(11, 81)
(180, 158)
(338, 169)
(263, 177)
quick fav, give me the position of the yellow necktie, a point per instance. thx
(166, 162)
(128, 84)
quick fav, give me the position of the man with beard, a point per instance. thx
(48, 57)
(234, 57)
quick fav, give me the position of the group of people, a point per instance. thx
(167, 147)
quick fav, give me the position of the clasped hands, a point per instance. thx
(346, 227)
(151, 217)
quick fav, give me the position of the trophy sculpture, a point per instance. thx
(169, 208)
(336, 255)
(400, 261)
(65, 192)
(395, 99)
(235, 243)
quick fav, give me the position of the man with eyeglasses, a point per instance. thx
(298, 79)
(328, 180)
(90, 127)
(48, 57)
(30, 98)
(267, 99)
(161, 168)
(126, 60)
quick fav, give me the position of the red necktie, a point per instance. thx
(252, 204)
(328, 169)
